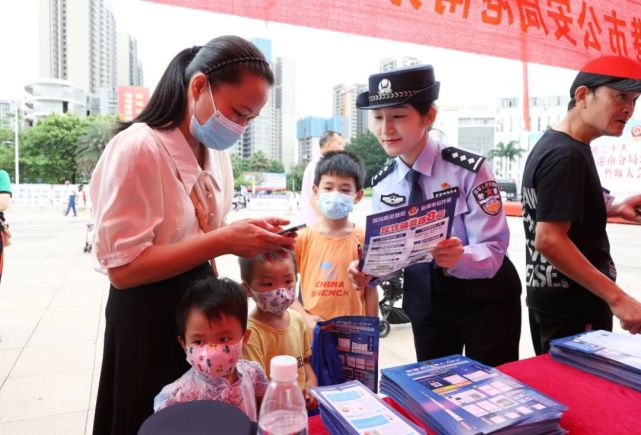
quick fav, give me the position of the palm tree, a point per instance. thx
(98, 132)
(258, 162)
(506, 152)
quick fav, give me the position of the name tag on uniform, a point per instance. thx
(445, 192)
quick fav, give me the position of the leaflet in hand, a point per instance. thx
(351, 408)
(457, 395)
(610, 355)
(407, 235)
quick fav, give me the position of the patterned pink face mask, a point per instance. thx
(215, 360)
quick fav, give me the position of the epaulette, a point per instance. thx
(384, 172)
(463, 158)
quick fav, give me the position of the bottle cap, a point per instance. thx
(283, 368)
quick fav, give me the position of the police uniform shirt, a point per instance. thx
(479, 220)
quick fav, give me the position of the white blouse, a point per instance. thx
(140, 192)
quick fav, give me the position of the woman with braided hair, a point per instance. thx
(161, 191)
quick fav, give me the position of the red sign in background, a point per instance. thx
(131, 101)
(564, 33)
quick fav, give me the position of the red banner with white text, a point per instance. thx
(564, 33)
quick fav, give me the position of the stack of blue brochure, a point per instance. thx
(457, 395)
(352, 408)
(613, 356)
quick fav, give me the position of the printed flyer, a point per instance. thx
(407, 235)
(457, 395)
(351, 408)
(348, 345)
(611, 355)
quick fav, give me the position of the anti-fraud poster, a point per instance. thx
(407, 235)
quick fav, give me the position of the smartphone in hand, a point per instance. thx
(291, 230)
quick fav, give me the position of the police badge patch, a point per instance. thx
(488, 197)
(392, 199)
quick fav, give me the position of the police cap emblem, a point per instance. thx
(384, 86)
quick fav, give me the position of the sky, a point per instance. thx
(322, 59)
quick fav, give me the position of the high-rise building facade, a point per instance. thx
(284, 116)
(274, 131)
(78, 43)
(308, 133)
(129, 72)
(391, 63)
(354, 121)
(48, 96)
(544, 112)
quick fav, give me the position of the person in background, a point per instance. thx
(212, 330)
(5, 200)
(71, 198)
(308, 207)
(160, 195)
(82, 197)
(468, 298)
(325, 249)
(570, 274)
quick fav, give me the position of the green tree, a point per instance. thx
(242, 181)
(239, 166)
(48, 150)
(95, 136)
(366, 147)
(275, 166)
(7, 157)
(506, 153)
(295, 177)
(7, 149)
(6, 135)
(258, 162)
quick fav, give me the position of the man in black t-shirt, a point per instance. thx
(570, 275)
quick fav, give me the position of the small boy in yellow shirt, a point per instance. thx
(325, 250)
(275, 329)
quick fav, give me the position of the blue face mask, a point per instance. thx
(218, 132)
(335, 205)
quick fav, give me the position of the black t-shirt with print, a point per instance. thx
(561, 183)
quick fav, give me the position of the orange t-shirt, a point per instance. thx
(323, 262)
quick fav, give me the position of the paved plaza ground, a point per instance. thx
(52, 317)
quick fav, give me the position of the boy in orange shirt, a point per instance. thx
(325, 250)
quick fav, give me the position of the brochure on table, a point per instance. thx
(406, 235)
(611, 355)
(356, 339)
(456, 395)
(351, 408)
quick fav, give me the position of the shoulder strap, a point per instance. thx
(384, 172)
(463, 158)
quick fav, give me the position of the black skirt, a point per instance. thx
(141, 351)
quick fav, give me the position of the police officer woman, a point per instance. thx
(161, 191)
(469, 297)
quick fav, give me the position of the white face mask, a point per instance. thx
(218, 132)
(274, 301)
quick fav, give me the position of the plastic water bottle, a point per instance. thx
(283, 409)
